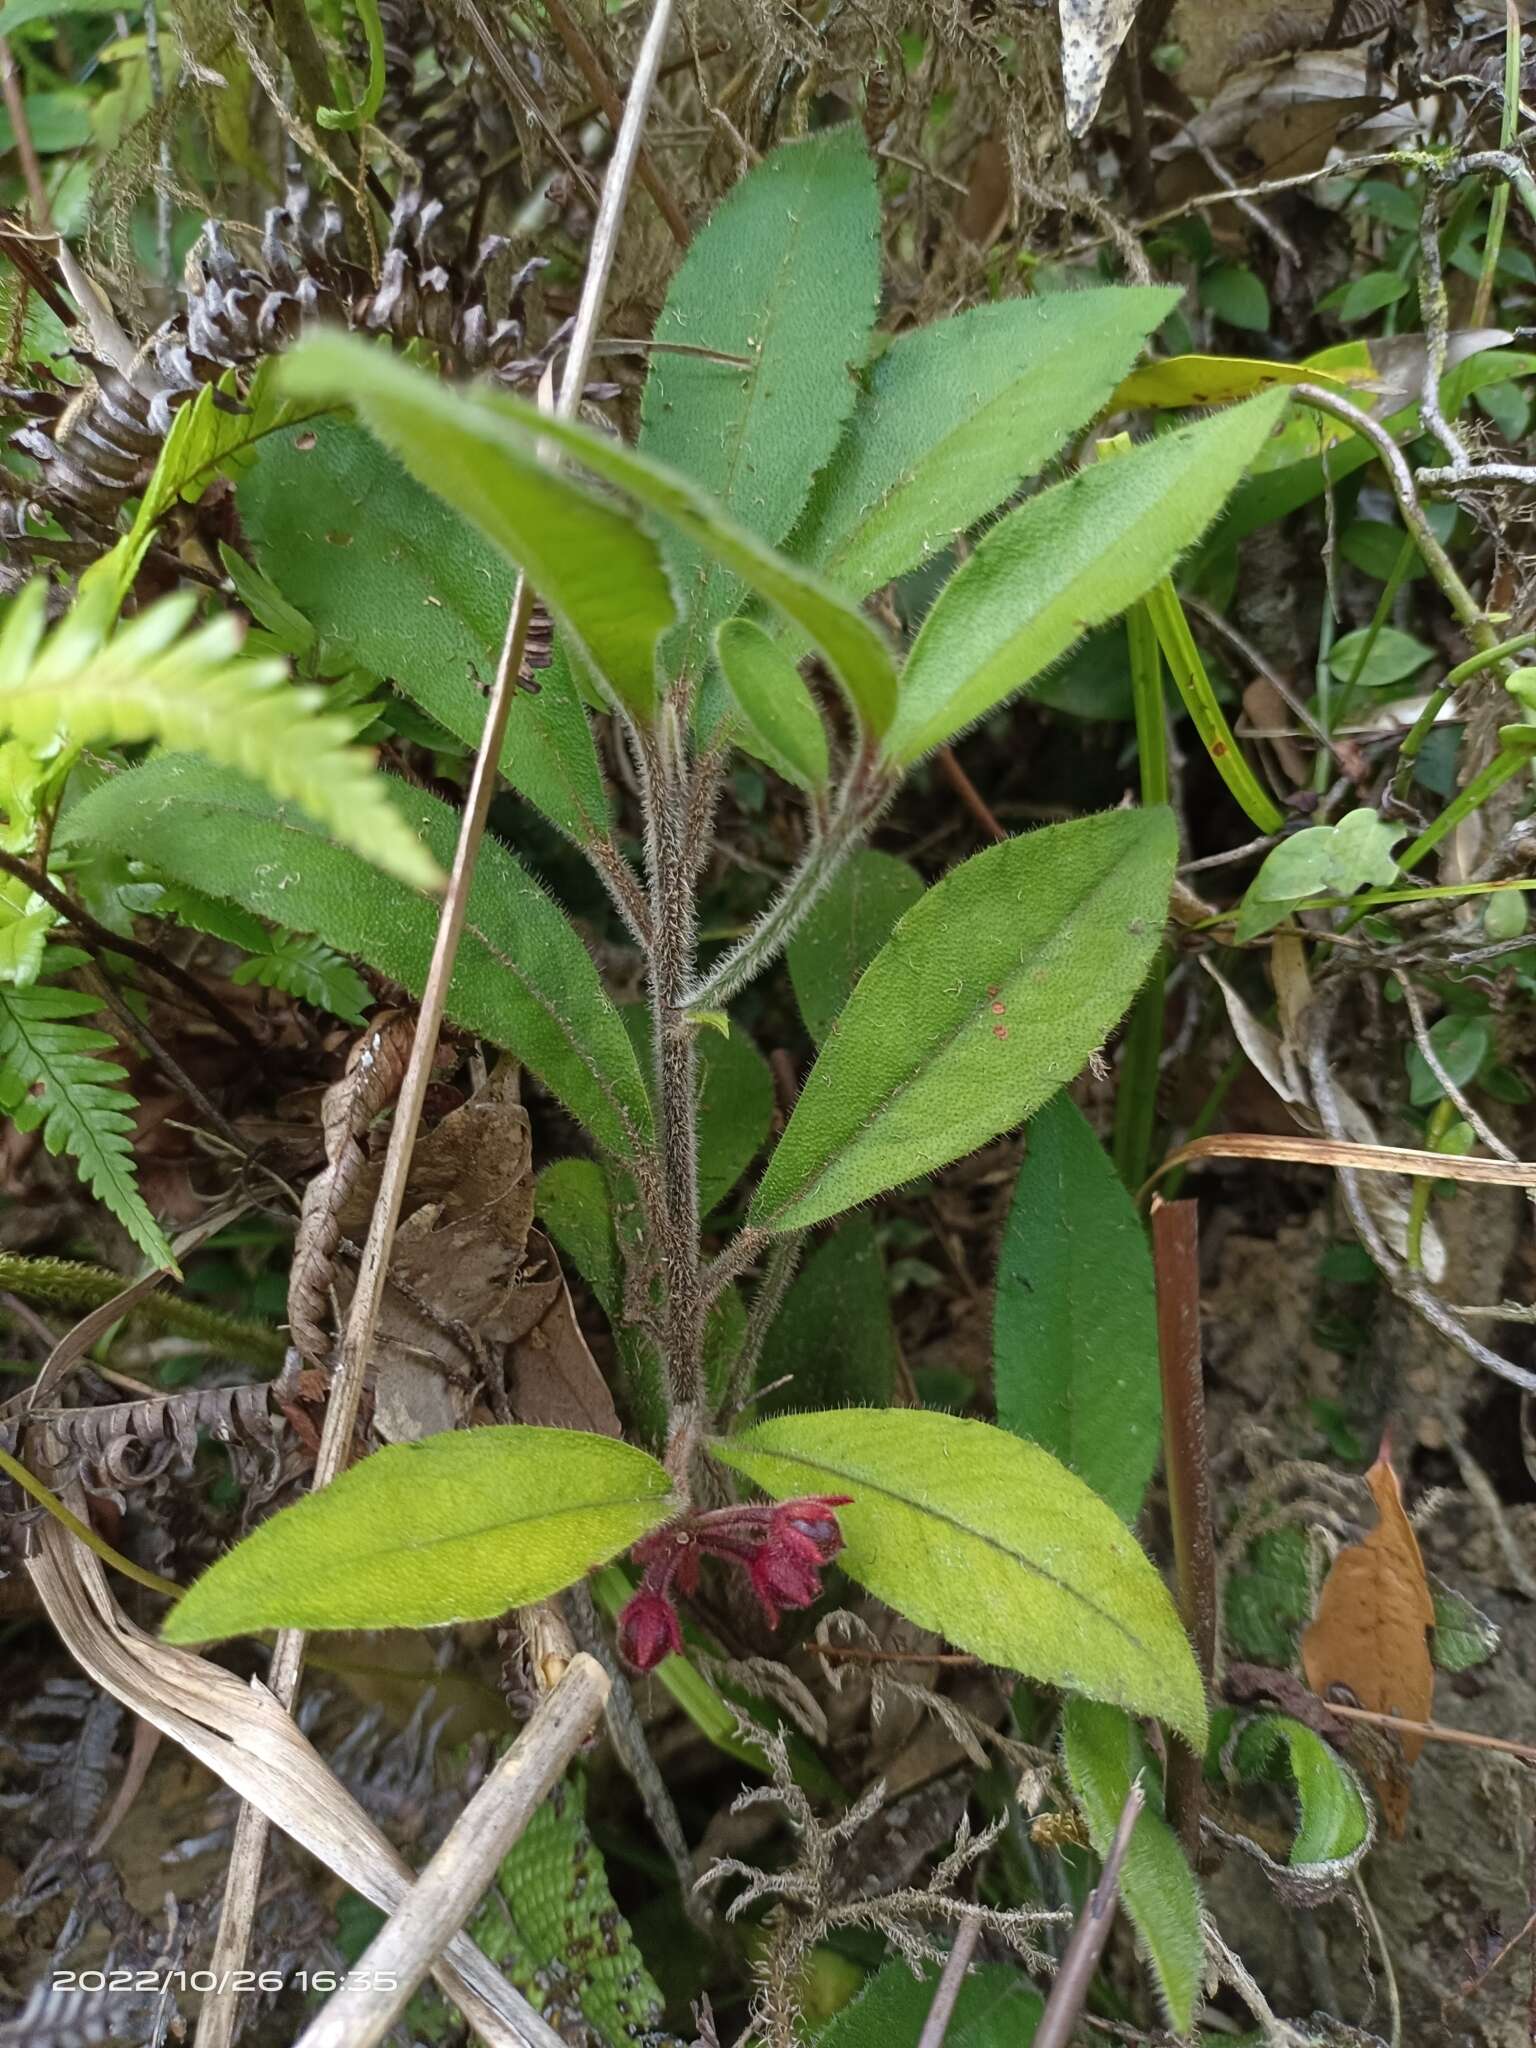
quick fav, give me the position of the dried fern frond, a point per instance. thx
(191, 691)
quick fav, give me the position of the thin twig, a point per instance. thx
(1070, 1991)
(1436, 1065)
(381, 1983)
(588, 63)
(114, 942)
(1176, 1259)
(956, 1963)
(357, 1340)
(969, 794)
(21, 135)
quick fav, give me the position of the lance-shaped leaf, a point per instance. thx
(451, 1528)
(381, 567)
(833, 1340)
(783, 726)
(522, 979)
(990, 993)
(407, 406)
(588, 561)
(784, 275)
(954, 416)
(997, 2007)
(1104, 1753)
(988, 1539)
(1068, 559)
(1075, 1336)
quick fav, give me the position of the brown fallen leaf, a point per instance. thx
(1370, 1635)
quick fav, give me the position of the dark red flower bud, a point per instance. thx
(783, 1575)
(649, 1630)
(814, 1521)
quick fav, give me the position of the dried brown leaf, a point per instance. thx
(1371, 1635)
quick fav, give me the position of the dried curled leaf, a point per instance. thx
(374, 1071)
(1371, 1633)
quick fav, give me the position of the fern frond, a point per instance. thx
(50, 1076)
(191, 691)
(309, 969)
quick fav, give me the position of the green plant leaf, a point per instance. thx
(484, 426)
(457, 1527)
(1075, 1331)
(1236, 294)
(845, 930)
(783, 725)
(1335, 1818)
(989, 994)
(1462, 1041)
(833, 1339)
(589, 562)
(152, 680)
(1463, 1635)
(997, 2007)
(954, 416)
(382, 567)
(1104, 1753)
(1268, 1598)
(988, 1539)
(786, 273)
(307, 968)
(50, 1078)
(1332, 860)
(523, 979)
(1395, 657)
(205, 438)
(1066, 560)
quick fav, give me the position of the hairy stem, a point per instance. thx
(666, 795)
(864, 795)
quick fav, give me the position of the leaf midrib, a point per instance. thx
(884, 1105)
(419, 1546)
(862, 1479)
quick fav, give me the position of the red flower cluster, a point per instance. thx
(782, 1549)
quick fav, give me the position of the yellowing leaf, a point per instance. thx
(457, 1527)
(1214, 380)
(991, 1541)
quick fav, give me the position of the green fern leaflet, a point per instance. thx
(50, 1076)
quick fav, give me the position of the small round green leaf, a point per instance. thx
(971, 1531)
(784, 726)
(457, 1527)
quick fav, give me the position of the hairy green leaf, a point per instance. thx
(382, 567)
(1075, 1336)
(1267, 1599)
(990, 993)
(998, 2007)
(522, 979)
(992, 1542)
(786, 273)
(154, 681)
(457, 1527)
(1335, 1818)
(51, 1078)
(845, 930)
(833, 1340)
(1463, 1636)
(1104, 1753)
(1066, 560)
(485, 426)
(587, 560)
(783, 725)
(954, 416)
